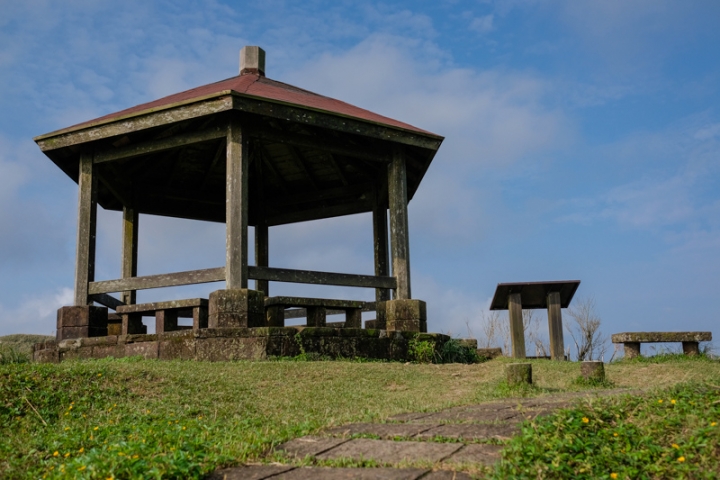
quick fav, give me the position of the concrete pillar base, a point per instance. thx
(405, 316)
(81, 322)
(691, 348)
(240, 307)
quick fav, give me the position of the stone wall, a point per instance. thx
(223, 344)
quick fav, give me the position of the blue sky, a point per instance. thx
(582, 142)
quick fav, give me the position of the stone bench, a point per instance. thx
(689, 340)
(166, 315)
(316, 309)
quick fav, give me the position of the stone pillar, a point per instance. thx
(166, 321)
(239, 307)
(517, 331)
(131, 222)
(399, 240)
(555, 327)
(380, 241)
(691, 348)
(593, 371)
(353, 318)
(406, 315)
(632, 349)
(262, 255)
(81, 322)
(86, 229)
(316, 317)
(519, 373)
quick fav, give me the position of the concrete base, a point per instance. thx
(224, 344)
(81, 322)
(241, 308)
(632, 349)
(406, 316)
(691, 348)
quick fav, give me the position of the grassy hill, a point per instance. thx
(132, 418)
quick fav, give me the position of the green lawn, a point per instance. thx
(135, 418)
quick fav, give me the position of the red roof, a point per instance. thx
(262, 87)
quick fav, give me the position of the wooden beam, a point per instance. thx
(267, 161)
(216, 158)
(320, 212)
(236, 210)
(262, 234)
(153, 146)
(299, 160)
(399, 240)
(131, 223)
(324, 194)
(86, 231)
(337, 169)
(192, 277)
(320, 278)
(106, 300)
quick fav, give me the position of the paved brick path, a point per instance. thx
(471, 436)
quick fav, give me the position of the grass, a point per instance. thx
(133, 418)
(18, 348)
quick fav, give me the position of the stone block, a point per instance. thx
(221, 349)
(236, 308)
(48, 355)
(171, 347)
(593, 371)
(518, 373)
(148, 350)
(406, 315)
(104, 351)
(79, 322)
(489, 352)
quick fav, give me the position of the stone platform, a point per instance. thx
(223, 344)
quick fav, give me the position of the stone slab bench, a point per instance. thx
(316, 308)
(166, 315)
(689, 340)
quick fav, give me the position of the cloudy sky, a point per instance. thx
(582, 142)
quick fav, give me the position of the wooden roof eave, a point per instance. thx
(232, 100)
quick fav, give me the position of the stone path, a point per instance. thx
(468, 437)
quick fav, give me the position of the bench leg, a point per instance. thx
(316, 316)
(275, 316)
(691, 348)
(166, 321)
(200, 318)
(632, 349)
(353, 318)
(132, 324)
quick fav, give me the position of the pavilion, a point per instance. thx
(245, 151)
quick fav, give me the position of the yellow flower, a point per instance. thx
(183, 428)
(585, 420)
(99, 374)
(110, 478)
(613, 475)
(96, 428)
(56, 453)
(615, 434)
(681, 459)
(712, 424)
(67, 455)
(135, 457)
(675, 445)
(82, 449)
(673, 401)
(660, 401)
(121, 454)
(82, 468)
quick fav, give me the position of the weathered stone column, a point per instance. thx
(555, 327)
(517, 331)
(402, 313)
(86, 230)
(593, 370)
(131, 221)
(380, 241)
(262, 255)
(632, 349)
(236, 306)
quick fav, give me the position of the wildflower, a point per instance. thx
(82, 449)
(56, 453)
(183, 428)
(675, 446)
(96, 428)
(110, 478)
(681, 459)
(67, 428)
(82, 468)
(615, 434)
(147, 411)
(121, 454)
(712, 424)
(66, 455)
(70, 407)
(673, 401)
(99, 374)
(660, 401)
(613, 475)
(585, 420)
(135, 457)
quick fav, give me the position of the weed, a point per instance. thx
(421, 351)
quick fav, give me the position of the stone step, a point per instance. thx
(286, 472)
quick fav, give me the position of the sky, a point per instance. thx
(582, 141)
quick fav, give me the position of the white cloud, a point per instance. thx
(35, 314)
(482, 24)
